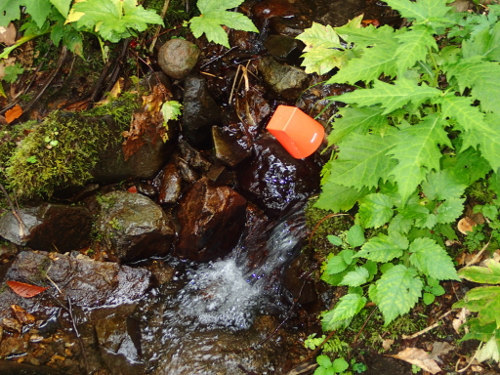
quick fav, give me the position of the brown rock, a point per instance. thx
(177, 57)
(211, 219)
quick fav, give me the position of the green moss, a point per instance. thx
(62, 150)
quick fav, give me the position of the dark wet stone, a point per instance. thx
(177, 57)
(227, 148)
(274, 180)
(193, 157)
(15, 368)
(169, 184)
(283, 48)
(211, 219)
(200, 112)
(298, 280)
(285, 80)
(51, 227)
(133, 226)
(246, 41)
(119, 339)
(86, 282)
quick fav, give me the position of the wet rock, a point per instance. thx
(87, 283)
(48, 227)
(227, 148)
(283, 48)
(285, 80)
(200, 112)
(118, 337)
(15, 368)
(193, 157)
(211, 219)
(298, 280)
(144, 163)
(133, 226)
(274, 180)
(177, 57)
(169, 184)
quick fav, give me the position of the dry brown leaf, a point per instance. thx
(460, 319)
(440, 348)
(418, 357)
(387, 343)
(13, 113)
(8, 34)
(22, 315)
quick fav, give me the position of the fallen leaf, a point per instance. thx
(13, 113)
(440, 348)
(387, 343)
(466, 225)
(132, 189)
(25, 290)
(8, 34)
(460, 319)
(418, 357)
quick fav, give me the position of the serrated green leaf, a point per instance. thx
(442, 185)
(490, 351)
(363, 160)
(397, 291)
(214, 14)
(112, 19)
(422, 11)
(484, 300)
(356, 120)
(347, 307)
(355, 236)
(414, 46)
(485, 275)
(171, 110)
(337, 263)
(449, 210)
(356, 277)
(335, 197)
(432, 260)
(418, 153)
(390, 96)
(9, 11)
(11, 72)
(38, 10)
(319, 35)
(375, 210)
(383, 248)
(62, 6)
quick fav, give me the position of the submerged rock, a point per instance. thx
(275, 180)
(200, 112)
(133, 226)
(51, 227)
(177, 57)
(211, 219)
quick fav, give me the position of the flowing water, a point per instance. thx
(205, 318)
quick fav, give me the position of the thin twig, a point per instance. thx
(52, 281)
(471, 360)
(434, 325)
(157, 33)
(363, 327)
(478, 255)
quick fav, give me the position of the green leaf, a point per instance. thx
(363, 161)
(323, 361)
(485, 275)
(428, 298)
(112, 19)
(390, 96)
(214, 14)
(339, 365)
(490, 351)
(337, 263)
(449, 210)
(397, 291)
(383, 248)
(62, 6)
(418, 153)
(375, 210)
(334, 240)
(414, 46)
(442, 185)
(12, 72)
(347, 307)
(321, 60)
(356, 120)
(38, 10)
(355, 236)
(422, 11)
(335, 197)
(486, 301)
(171, 110)
(319, 35)
(356, 277)
(432, 260)
(9, 11)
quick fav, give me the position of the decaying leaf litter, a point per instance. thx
(420, 347)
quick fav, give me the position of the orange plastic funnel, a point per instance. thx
(297, 132)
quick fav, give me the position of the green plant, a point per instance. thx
(421, 127)
(328, 367)
(485, 301)
(214, 14)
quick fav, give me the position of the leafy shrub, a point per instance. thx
(422, 126)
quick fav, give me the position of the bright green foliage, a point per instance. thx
(345, 309)
(485, 301)
(422, 126)
(328, 367)
(397, 291)
(113, 20)
(12, 71)
(214, 14)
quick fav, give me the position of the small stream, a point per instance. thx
(206, 317)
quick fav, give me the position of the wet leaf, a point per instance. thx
(25, 290)
(22, 315)
(13, 113)
(420, 358)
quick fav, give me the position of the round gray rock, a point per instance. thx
(177, 57)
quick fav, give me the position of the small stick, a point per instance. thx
(478, 255)
(405, 337)
(158, 28)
